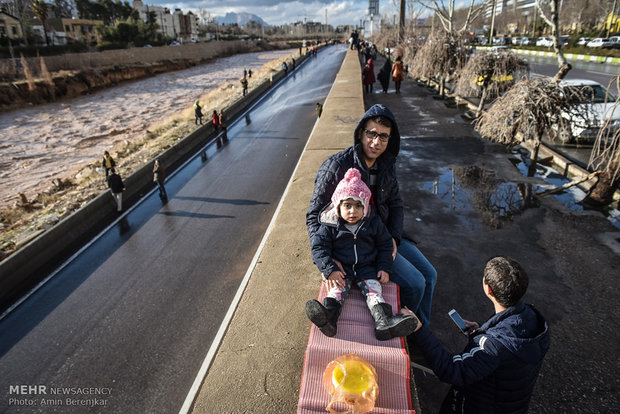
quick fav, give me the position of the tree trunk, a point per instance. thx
(482, 100)
(442, 86)
(603, 191)
(531, 170)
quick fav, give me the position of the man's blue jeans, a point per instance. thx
(416, 277)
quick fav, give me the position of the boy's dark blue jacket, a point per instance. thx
(362, 254)
(497, 370)
(386, 196)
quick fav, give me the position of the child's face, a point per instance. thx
(351, 210)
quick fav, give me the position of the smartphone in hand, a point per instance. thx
(456, 318)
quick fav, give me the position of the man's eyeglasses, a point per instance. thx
(383, 137)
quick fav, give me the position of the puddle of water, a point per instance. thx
(474, 189)
(571, 197)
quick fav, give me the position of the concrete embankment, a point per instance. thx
(26, 267)
(261, 355)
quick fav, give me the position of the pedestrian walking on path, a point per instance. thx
(159, 176)
(222, 120)
(116, 188)
(384, 75)
(376, 143)
(398, 74)
(368, 76)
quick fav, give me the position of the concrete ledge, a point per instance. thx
(261, 355)
(26, 267)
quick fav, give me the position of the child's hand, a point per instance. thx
(383, 277)
(335, 279)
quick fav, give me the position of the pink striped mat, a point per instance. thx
(356, 335)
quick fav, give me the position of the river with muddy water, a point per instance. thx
(55, 140)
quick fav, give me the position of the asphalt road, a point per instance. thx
(134, 316)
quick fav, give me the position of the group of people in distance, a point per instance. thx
(389, 70)
(355, 225)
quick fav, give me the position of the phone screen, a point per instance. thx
(458, 320)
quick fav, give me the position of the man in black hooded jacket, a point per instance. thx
(375, 147)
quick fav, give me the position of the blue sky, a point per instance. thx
(277, 12)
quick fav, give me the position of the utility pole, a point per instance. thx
(492, 23)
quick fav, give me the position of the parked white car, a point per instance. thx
(600, 42)
(544, 42)
(595, 108)
(583, 41)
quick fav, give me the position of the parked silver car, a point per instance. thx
(594, 108)
(600, 42)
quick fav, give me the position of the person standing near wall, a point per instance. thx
(116, 188)
(159, 176)
(197, 113)
(107, 163)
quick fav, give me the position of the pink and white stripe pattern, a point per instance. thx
(356, 335)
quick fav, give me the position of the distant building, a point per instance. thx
(67, 30)
(10, 27)
(176, 25)
(372, 20)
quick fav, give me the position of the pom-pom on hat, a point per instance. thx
(352, 186)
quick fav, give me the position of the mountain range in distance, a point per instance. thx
(240, 18)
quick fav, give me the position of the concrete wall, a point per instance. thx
(26, 267)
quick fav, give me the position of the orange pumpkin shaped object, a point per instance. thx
(351, 380)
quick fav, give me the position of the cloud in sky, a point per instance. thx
(278, 12)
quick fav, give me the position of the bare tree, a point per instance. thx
(553, 21)
(490, 73)
(39, 8)
(446, 13)
(439, 57)
(524, 114)
(606, 157)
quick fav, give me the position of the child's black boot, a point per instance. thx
(324, 316)
(388, 326)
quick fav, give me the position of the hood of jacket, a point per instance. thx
(380, 110)
(521, 329)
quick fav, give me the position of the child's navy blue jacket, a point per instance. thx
(362, 254)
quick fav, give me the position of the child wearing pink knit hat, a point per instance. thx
(353, 245)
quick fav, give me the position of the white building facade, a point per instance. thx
(372, 20)
(175, 25)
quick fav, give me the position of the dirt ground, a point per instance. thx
(463, 207)
(52, 153)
